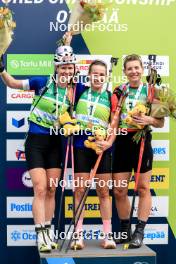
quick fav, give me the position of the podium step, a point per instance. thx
(94, 254)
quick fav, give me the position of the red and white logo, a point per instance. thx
(19, 96)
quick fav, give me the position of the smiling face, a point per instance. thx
(134, 71)
(65, 73)
(97, 77)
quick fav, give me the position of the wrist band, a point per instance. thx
(1, 72)
(2, 68)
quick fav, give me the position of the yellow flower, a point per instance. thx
(1, 10)
(13, 24)
(1, 23)
(6, 11)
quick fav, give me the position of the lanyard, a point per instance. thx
(62, 103)
(131, 103)
(92, 105)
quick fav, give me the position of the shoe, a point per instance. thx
(138, 235)
(108, 242)
(50, 237)
(77, 243)
(124, 229)
(42, 241)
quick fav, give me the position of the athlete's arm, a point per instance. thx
(10, 81)
(67, 38)
(111, 132)
(149, 120)
(157, 122)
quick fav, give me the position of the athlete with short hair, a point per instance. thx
(126, 153)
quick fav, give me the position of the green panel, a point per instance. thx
(30, 64)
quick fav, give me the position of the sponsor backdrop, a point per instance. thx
(141, 27)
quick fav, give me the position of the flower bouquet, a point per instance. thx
(7, 26)
(165, 103)
(84, 13)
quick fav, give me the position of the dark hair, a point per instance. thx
(132, 57)
(97, 62)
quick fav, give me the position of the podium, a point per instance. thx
(94, 254)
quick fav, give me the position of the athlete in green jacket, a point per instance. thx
(43, 150)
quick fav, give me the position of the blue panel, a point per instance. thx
(60, 261)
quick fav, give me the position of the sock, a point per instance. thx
(79, 226)
(39, 227)
(140, 225)
(124, 222)
(48, 224)
(107, 228)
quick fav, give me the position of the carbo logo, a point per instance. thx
(15, 236)
(22, 95)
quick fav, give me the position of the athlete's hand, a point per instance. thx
(67, 38)
(143, 120)
(103, 145)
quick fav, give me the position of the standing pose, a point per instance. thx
(93, 110)
(42, 149)
(126, 153)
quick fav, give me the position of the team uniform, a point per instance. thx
(92, 109)
(126, 151)
(42, 149)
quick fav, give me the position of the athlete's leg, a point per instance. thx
(120, 181)
(120, 190)
(39, 180)
(53, 176)
(145, 201)
(102, 181)
(103, 194)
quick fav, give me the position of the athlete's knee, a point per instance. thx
(79, 191)
(51, 191)
(143, 190)
(40, 191)
(120, 193)
(103, 192)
